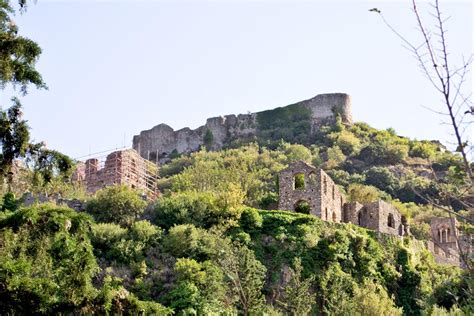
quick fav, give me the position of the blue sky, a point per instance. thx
(115, 68)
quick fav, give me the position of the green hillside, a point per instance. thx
(213, 244)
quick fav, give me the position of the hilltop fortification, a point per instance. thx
(295, 123)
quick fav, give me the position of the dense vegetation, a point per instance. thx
(212, 243)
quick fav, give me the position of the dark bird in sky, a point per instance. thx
(375, 10)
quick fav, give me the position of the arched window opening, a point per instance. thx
(333, 192)
(391, 221)
(359, 218)
(448, 235)
(298, 181)
(302, 206)
(326, 213)
(334, 219)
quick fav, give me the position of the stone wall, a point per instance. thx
(121, 167)
(158, 143)
(319, 191)
(326, 201)
(383, 217)
(351, 213)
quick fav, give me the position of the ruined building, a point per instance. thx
(158, 143)
(120, 167)
(302, 184)
(447, 244)
(379, 216)
(306, 189)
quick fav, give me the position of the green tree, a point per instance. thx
(363, 193)
(118, 204)
(245, 275)
(199, 287)
(370, 299)
(46, 261)
(208, 139)
(298, 299)
(18, 56)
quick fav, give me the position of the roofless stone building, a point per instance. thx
(306, 189)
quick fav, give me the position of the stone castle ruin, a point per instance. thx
(124, 167)
(158, 143)
(309, 190)
(447, 243)
(306, 189)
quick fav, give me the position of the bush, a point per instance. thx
(348, 142)
(118, 204)
(382, 178)
(202, 209)
(251, 219)
(10, 203)
(363, 193)
(46, 261)
(115, 243)
(422, 149)
(335, 157)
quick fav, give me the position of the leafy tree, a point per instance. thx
(363, 193)
(14, 137)
(18, 56)
(383, 179)
(208, 139)
(335, 157)
(116, 243)
(199, 287)
(202, 209)
(46, 261)
(250, 219)
(245, 275)
(10, 203)
(347, 142)
(298, 299)
(118, 204)
(370, 299)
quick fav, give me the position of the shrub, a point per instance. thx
(105, 235)
(363, 193)
(382, 178)
(202, 209)
(422, 149)
(251, 219)
(46, 261)
(10, 203)
(118, 204)
(335, 157)
(348, 142)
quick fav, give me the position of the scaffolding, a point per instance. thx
(122, 167)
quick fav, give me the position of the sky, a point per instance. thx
(115, 68)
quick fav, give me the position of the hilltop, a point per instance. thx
(297, 122)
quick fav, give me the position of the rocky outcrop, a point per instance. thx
(161, 142)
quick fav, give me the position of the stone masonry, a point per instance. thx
(447, 243)
(158, 143)
(318, 190)
(121, 167)
(303, 183)
(326, 202)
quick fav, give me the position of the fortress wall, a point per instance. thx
(160, 141)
